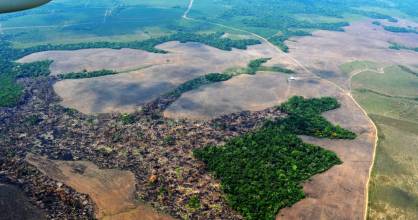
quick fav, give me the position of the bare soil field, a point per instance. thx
(126, 92)
(325, 51)
(242, 93)
(112, 191)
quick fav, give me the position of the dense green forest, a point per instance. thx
(261, 172)
(304, 118)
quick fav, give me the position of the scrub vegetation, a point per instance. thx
(261, 172)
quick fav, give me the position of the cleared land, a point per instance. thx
(112, 191)
(328, 193)
(393, 187)
(127, 91)
(325, 51)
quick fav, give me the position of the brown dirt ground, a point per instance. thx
(325, 51)
(126, 92)
(112, 191)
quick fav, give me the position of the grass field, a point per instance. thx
(391, 101)
(64, 21)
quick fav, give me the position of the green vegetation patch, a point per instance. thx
(390, 100)
(215, 40)
(86, 74)
(397, 46)
(10, 92)
(35, 69)
(252, 68)
(396, 29)
(304, 118)
(261, 172)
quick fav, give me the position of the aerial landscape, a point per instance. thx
(209, 109)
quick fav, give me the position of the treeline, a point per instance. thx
(304, 118)
(35, 69)
(257, 65)
(279, 39)
(199, 82)
(397, 46)
(374, 15)
(86, 74)
(287, 25)
(252, 68)
(215, 40)
(282, 17)
(261, 172)
(10, 92)
(396, 29)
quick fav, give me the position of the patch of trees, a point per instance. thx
(304, 118)
(35, 69)
(199, 82)
(251, 69)
(215, 40)
(257, 65)
(396, 29)
(374, 15)
(266, 16)
(10, 91)
(261, 172)
(397, 46)
(86, 74)
(377, 23)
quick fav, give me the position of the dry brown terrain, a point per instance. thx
(339, 193)
(242, 93)
(112, 191)
(325, 51)
(126, 92)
